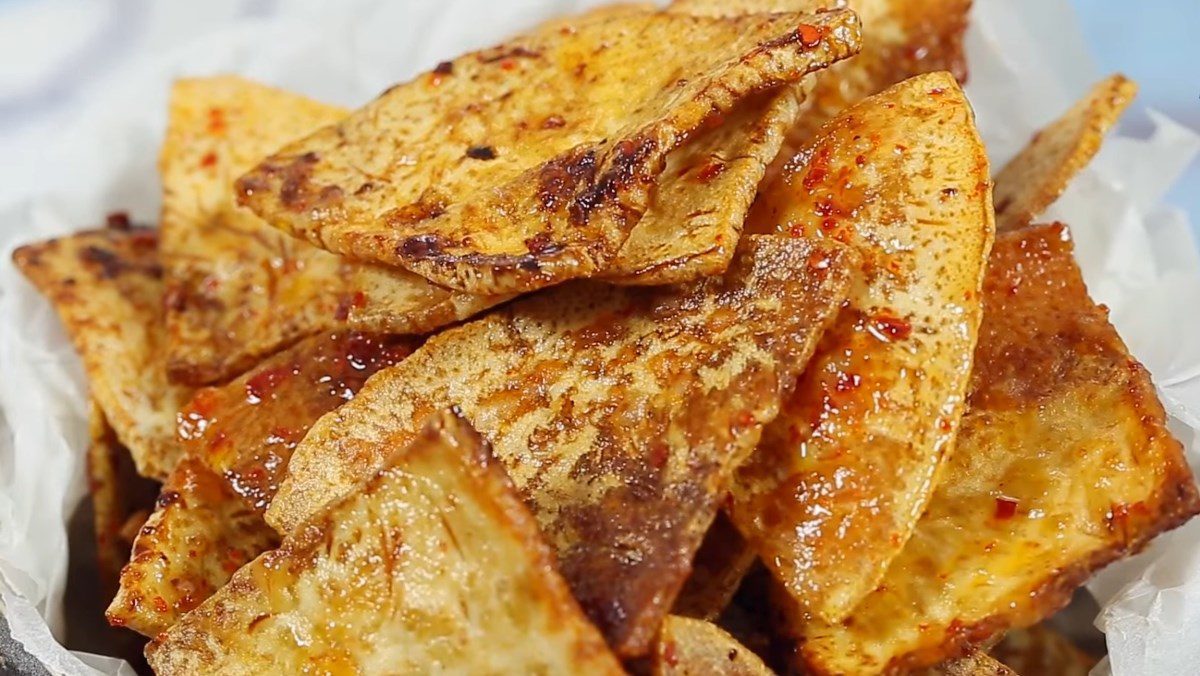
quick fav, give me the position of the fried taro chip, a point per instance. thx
(1039, 174)
(837, 484)
(529, 163)
(975, 664)
(901, 39)
(620, 414)
(1042, 651)
(691, 647)
(722, 561)
(198, 535)
(121, 500)
(238, 439)
(106, 286)
(245, 431)
(433, 564)
(238, 289)
(1063, 464)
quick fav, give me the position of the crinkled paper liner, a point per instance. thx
(1028, 63)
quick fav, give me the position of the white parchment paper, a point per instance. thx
(1028, 64)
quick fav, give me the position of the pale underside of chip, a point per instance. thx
(197, 536)
(529, 163)
(434, 564)
(245, 431)
(691, 647)
(106, 286)
(901, 39)
(620, 414)
(1041, 651)
(1063, 463)
(237, 289)
(1039, 174)
(840, 478)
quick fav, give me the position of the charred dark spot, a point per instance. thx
(118, 220)
(528, 264)
(559, 177)
(422, 247)
(481, 153)
(364, 188)
(517, 52)
(425, 208)
(627, 158)
(166, 499)
(444, 68)
(175, 298)
(110, 264)
(541, 245)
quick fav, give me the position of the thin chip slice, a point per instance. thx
(119, 496)
(245, 431)
(838, 482)
(1042, 651)
(620, 414)
(1063, 464)
(198, 535)
(691, 647)
(1039, 174)
(107, 288)
(975, 664)
(238, 289)
(433, 565)
(722, 561)
(529, 163)
(901, 39)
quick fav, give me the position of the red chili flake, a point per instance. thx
(714, 119)
(847, 381)
(937, 91)
(508, 64)
(161, 605)
(893, 327)
(669, 655)
(209, 159)
(553, 122)
(828, 224)
(861, 160)
(710, 171)
(810, 36)
(117, 220)
(444, 68)
(1006, 507)
(216, 121)
(264, 382)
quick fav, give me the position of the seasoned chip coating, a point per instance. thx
(107, 287)
(434, 565)
(838, 482)
(198, 535)
(975, 664)
(620, 414)
(238, 289)
(245, 431)
(1042, 651)
(1063, 464)
(119, 497)
(1039, 174)
(691, 647)
(722, 561)
(526, 164)
(901, 39)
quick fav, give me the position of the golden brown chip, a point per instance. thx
(529, 163)
(198, 535)
(691, 647)
(238, 289)
(1062, 465)
(245, 431)
(1041, 651)
(433, 565)
(119, 496)
(620, 414)
(722, 561)
(837, 484)
(1039, 174)
(107, 288)
(901, 39)
(975, 664)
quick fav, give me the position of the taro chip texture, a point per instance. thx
(433, 561)
(620, 414)
(107, 288)
(1063, 464)
(837, 484)
(1039, 174)
(529, 163)
(237, 289)
(690, 647)
(1042, 651)
(722, 561)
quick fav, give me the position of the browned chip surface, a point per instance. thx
(837, 484)
(245, 431)
(691, 647)
(1063, 464)
(433, 565)
(107, 288)
(1041, 651)
(198, 535)
(975, 664)
(619, 413)
(1040, 173)
(722, 561)
(529, 163)
(238, 289)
